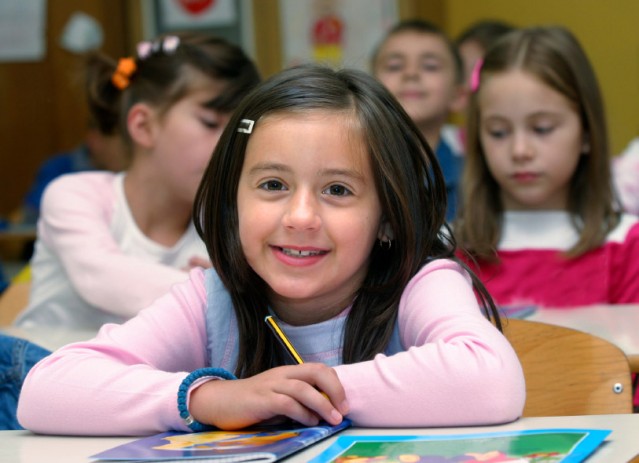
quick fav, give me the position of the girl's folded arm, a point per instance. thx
(125, 381)
(457, 368)
(75, 224)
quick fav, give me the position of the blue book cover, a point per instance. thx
(265, 444)
(529, 446)
(517, 311)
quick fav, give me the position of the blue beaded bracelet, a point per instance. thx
(196, 426)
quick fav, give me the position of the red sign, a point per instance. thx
(195, 7)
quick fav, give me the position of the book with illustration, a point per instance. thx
(265, 444)
(530, 446)
(517, 311)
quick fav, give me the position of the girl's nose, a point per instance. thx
(302, 212)
(522, 149)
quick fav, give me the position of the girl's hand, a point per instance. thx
(305, 393)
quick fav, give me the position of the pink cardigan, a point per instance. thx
(456, 370)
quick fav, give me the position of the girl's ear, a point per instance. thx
(385, 232)
(141, 124)
(585, 145)
(461, 95)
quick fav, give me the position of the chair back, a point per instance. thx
(13, 300)
(569, 372)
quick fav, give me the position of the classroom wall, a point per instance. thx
(607, 30)
(43, 106)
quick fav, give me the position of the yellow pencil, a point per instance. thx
(288, 345)
(279, 334)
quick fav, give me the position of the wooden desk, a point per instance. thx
(621, 445)
(618, 324)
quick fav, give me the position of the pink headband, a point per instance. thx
(474, 76)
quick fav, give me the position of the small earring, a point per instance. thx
(385, 244)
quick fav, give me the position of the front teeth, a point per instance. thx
(296, 253)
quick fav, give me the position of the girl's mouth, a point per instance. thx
(302, 253)
(525, 176)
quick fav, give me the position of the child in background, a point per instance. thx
(99, 151)
(625, 174)
(473, 42)
(421, 67)
(538, 211)
(109, 244)
(323, 206)
(102, 149)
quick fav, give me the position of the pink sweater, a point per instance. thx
(532, 271)
(457, 369)
(92, 264)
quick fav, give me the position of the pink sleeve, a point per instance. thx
(457, 368)
(125, 381)
(75, 224)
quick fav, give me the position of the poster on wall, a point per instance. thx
(334, 32)
(22, 30)
(194, 14)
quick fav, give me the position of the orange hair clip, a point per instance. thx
(121, 77)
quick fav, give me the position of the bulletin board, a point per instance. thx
(219, 17)
(334, 32)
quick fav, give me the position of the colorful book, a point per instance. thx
(265, 444)
(530, 446)
(517, 311)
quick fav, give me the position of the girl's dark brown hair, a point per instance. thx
(166, 76)
(409, 183)
(485, 32)
(554, 56)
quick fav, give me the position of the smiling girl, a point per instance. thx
(323, 206)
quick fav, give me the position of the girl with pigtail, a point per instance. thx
(110, 243)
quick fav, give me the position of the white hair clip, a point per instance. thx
(167, 45)
(170, 44)
(246, 126)
(144, 49)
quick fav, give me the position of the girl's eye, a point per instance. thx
(430, 66)
(337, 190)
(210, 124)
(272, 185)
(497, 133)
(543, 130)
(393, 66)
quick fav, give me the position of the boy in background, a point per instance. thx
(421, 67)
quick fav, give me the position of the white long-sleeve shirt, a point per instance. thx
(454, 367)
(92, 264)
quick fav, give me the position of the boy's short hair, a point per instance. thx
(424, 27)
